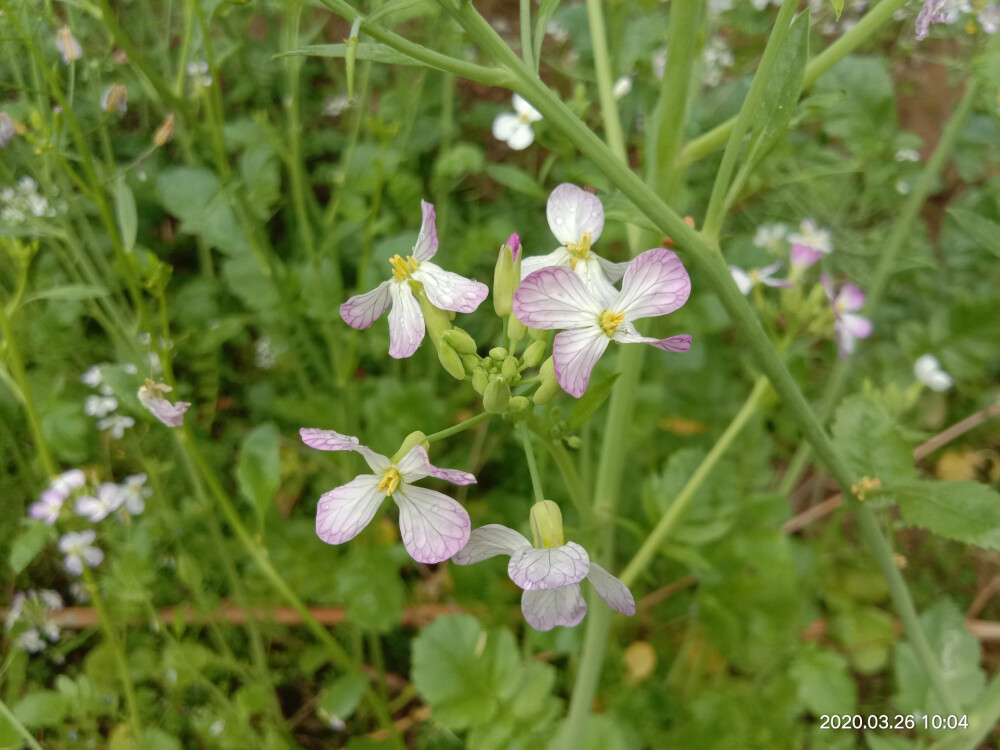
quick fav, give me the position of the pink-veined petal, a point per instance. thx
(573, 212)
(505, 124)
(361, 310)
(427, 240)
(555, 297)
(545, 609)
(523, 108)
(406, 322)
(591, 271)
(521, 137)
(742, 279)
(574, 354)
(611, 590)
(558, 257)
(489, 541)
(626, 334)
(547, 568)
(416, 464)
(656, 283)
(851, 297)
(448, 290)
(328, 440)
(172, 415)
(433, 526)
(343, 512)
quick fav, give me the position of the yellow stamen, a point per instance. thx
(390, 480)
(754, 276)
(401, 269)
(610, 321)
(579, 250)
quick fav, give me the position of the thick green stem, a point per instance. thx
(717, 204)
(679, 506)
(22, 730)
(881, 14)
(527, 52)
(117, 646)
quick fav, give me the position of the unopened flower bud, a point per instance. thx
(496, 397)
(534, 353)
(460, 341)
(115, 99)
(412, 440)
(538, 334)
(165, 132)
(507, 275)
(435, 319)
(498, 354)
(547, 371)
(509, 369)
(471, 362)
(480, 380)
(574, 442)
(451, 361)
(546, 525)
(515, 329)
(519, 405)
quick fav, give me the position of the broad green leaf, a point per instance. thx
(825, 684)
(369, 584)
(964, 511)
(27, 546)
(259, 468)
(125, 212)
(781, 92)
(981, 229)
(366, 51)
(958, 653)
(516, 179)
(870, 440)
(590, 402)
(343, 695)
(195, 196)
(464, 672)
(867, 635)
(68, 293)
(44, 708)
(838, 7)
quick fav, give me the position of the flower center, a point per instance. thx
(401, 269)
(754, 276)
(579, 250)
(390, 480)
(610, 320)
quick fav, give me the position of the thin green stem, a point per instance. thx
(117, 646)
(717, 205)
(578, 491)
(22, 730)
(668, 521)
(529, 454)
(461, 426)
(872, 21)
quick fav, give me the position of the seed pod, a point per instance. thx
(496, 398)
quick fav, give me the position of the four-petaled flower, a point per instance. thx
(655, 283)
(927, 370)
(108, 499)
(550, 577)
(747, 280)
(769, 236)
(445, 290)
(134, 493)
(809, 244)
(49, 504)
(433, 526)
(848, 324)
(116, 424)
(514, 128)
(99, 406)
(576, 218)
(150, 396)
(76, 545)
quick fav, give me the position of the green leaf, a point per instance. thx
(964, 511)
(68, 293)
(44, 708)
(870, 440)
(464, 672)
(370, 586)
(27, 546)
(195, 196)
(343, 695)
(825, 684)
(781, 92)
(590, 402)
(366, 51)
(259, 468)
(838, 7)
(981, 229)
(958, 653)
(125, 212)
(516, 179)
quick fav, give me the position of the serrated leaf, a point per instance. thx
(27, 546)
(590, 402)
(825, 684)
(870, 440)
(964, 511)
(981, 229)
(259, 468)
(516, 179)
(195, 196)
(373, 51)
(68, 292)
(125, 212)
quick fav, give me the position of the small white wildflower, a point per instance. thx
(907, 154)
(92, 376)
(79, 552)
(622, 87)
(927, 370)
(116, 424)
(197, 70)
(99, 406)
(514, 128)
(336, 104)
